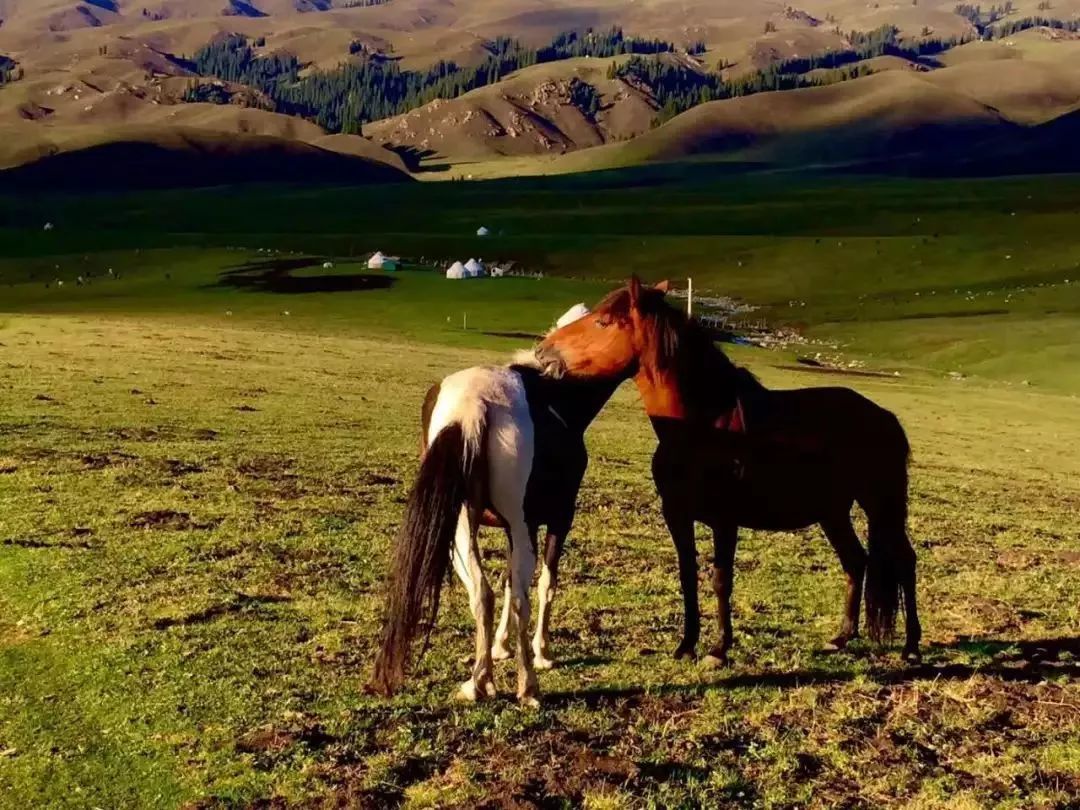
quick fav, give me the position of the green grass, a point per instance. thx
(846, 259)
(191, 588)
(199, 492)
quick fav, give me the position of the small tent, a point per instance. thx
(380, 261)
(456, 270)
(483, 231)
(475, 269)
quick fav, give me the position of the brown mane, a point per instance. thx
(680, 349)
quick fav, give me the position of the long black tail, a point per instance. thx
(890, 555)
(422, 552)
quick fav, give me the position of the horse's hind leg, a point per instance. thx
(545, 589)
(511, 459)
(912, 627)
(500, 650)
(481, 602)
(891, 571)
(522, 567)
(845, 543)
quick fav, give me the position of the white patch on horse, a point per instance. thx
(465, 398)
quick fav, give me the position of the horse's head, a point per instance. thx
(609, 341)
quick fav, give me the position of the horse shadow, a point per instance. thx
(1027, 661)
(276, 276)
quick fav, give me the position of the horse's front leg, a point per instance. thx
(680, 523)
(725, 538)
(545, 589)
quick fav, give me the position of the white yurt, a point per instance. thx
(483, 231)
(576, 312)
(456, 270)
(475, 268)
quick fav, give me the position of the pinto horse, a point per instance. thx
(503, 447)
(732, 454)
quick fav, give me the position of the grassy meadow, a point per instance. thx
(202, 468)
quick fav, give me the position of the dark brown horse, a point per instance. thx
(732, 453)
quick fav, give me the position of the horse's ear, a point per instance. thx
(635, 290)
(663, 286)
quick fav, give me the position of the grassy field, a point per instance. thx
(199, 491)
(976, 277)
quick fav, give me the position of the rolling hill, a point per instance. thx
(101, 71)
(134, 158)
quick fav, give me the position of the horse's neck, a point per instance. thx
(575, 402)
(710, 392)
(578, 402)
(660, 394)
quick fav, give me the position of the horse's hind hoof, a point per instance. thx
(542, 663)
(471, 691)
(500, 653)
(529, 701)
(836, 645)
(715, 660)
(912, 658)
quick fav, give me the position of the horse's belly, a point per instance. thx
(772, 496)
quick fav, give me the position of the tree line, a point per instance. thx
(676, 88)
(376, 87)
(990, 26)
(1007, 29)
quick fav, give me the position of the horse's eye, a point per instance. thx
(603, 323)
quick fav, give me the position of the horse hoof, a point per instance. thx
(912, 657)
(540, 662)
(466, 693)
(715, 660)
(685, 653)
(529, 701)
(471, 692)
(499, 653)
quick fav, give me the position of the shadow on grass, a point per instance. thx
(514, 335)
(276, 276)
(1012, 661)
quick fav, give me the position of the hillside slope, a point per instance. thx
(533, 112)
(886, 113)
(134, 158)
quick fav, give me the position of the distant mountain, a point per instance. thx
(95, 72)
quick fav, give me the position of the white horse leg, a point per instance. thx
(522, 566)
(545, 593)
(482, 602)
(510, 456)
(500, 650)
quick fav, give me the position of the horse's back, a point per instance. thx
(838, 416)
